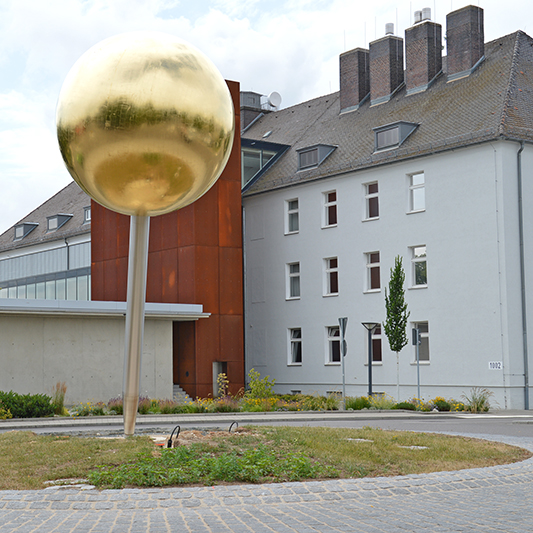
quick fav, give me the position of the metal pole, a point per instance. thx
(137, 268)
(343, 321)
(418, 362)
(370, 361)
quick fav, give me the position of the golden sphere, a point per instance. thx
(145, 123)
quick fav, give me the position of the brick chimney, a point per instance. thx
(354, 68)
(250, 107)
(423, 54)
(465, 40)
(386, 67)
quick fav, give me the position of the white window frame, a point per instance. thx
(329, 205)
(293, 342)
(415, 260)
(333, 336)
(424, 335)
(369, 267)
(331, 272)
(292, 213)
(369, 196)
(290, 276)
(415, 188)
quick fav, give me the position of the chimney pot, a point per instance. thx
(389, 28)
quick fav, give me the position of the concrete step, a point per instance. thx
(179, 395)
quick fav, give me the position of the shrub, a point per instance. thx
(408, 406)
(27, 405)
(357, 403)
(260, 388)
(58, 398)
(478, 401)
(441, 404)
(381, 401)
(4, 413)
(115, 404)
(144, 406)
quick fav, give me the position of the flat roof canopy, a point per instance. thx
(183, 312)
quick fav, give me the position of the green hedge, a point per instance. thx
(27, 405)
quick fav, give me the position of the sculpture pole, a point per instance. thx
(145, 125)
(137, 269)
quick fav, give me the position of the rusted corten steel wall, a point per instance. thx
(195, 256)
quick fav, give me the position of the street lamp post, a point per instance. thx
(370, 327)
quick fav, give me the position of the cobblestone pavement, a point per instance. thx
(476, 500)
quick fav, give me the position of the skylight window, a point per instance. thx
(313, 156)
(392, 135)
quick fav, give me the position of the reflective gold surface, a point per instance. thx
(145, 123)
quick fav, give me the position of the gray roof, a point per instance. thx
(495, 101)
(71, 200)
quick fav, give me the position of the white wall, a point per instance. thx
(472, 301)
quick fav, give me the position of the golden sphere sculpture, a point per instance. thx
(145, 123)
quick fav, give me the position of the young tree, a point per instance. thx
(396, 324)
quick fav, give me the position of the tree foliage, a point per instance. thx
(396, 324)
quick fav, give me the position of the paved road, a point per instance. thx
(497, 499)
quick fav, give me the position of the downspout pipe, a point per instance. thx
(522, 275)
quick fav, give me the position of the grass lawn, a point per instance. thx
(248, 455)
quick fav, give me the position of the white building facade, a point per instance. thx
(322, 235)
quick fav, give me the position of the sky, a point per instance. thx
(291, 47)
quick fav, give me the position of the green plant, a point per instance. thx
(381, 402)
(478, 400)
(222, 384)
(27, 405)
(4, 413)
(259, 388)
(357, 403)
(58, 398)
(441, 404)
(89, 409)
(396, 323)
(144, 406)
(115, 405)
(407, 406)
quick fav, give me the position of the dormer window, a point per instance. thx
(313, 156)
(24, 229)
(392, 135)
(86, 214)
(56, 221)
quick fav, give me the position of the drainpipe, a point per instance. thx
(522, 275)
(68, 254)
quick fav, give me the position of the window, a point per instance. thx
(372, 267)
(334, 345)
(417, 195)
(313, 156)
(293, 280)
(21, 230)
(331, 286)
(372, 202)
(295, 346)
(419, 266)
(56, 221)
(86, 214)
(392, 135)
(292, 225)
(424, 337)
(376, 345)
(330, 208)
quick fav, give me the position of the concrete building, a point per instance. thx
(433, 163)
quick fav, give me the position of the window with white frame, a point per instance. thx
(417, 192)
(376, 345)
(371, 200)
(292, 217)
(373, 272)
(295, 346)
(331, 271)
(330, 209)
(424, 337)
(333, 355)
(293, 281)
(419, 266)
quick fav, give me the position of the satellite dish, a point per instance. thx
(274, 99)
